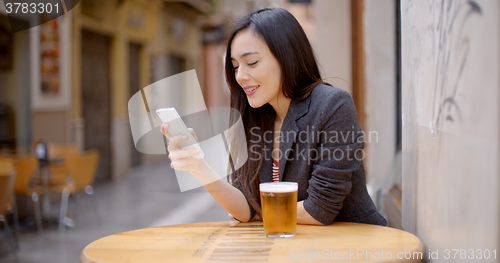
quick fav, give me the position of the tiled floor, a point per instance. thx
(148, 196)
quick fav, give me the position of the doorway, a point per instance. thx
(96, 99)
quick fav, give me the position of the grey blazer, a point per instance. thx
(321, 148)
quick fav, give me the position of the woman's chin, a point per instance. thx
(255, 104)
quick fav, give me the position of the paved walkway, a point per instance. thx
(148, 196)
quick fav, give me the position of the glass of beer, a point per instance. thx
(279, 208)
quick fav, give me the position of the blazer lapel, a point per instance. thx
(289, 130)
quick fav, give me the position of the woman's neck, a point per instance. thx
(280, 105)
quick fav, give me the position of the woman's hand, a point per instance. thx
(181, 159)
(228, 196)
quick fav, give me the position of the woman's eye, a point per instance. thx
(235, 68)
(253, 63)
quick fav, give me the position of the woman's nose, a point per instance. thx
(242, 75)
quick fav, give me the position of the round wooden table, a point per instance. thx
(245, 242)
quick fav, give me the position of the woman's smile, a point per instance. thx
(250, 90)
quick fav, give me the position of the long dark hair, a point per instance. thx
(299, 75)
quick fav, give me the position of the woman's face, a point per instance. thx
(256, 69)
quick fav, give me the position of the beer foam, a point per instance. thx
(279, 187)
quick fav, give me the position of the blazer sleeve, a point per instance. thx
(338, 155)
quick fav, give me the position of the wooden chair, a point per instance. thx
(11, 208)
(26, 167)
(7, 176)
(58, 169)
(11, 202)
(82, 168)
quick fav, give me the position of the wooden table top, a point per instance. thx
(245, 242)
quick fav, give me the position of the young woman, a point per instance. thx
(304, 130)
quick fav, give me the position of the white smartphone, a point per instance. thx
(178, 127)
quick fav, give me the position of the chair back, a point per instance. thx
(7, 175)
(82, 168)
(25, 167)
(59, 170)
(56, 150)
(6, 166)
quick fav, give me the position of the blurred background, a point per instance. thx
(423, 76)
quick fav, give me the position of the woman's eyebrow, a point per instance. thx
(247, 53)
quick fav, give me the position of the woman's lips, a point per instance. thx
(250, 90)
